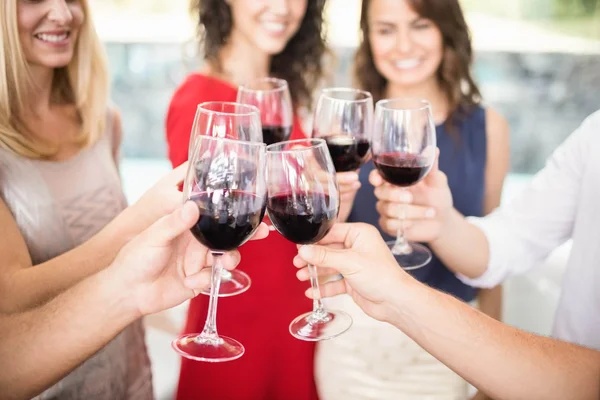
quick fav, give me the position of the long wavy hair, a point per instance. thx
(454, 73)
(83, 83)
(300, 63)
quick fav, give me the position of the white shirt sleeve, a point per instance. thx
(522, 233)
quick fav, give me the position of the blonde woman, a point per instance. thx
(62, 210)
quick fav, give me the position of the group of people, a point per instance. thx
(79, 268)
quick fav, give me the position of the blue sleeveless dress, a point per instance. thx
(462, 159)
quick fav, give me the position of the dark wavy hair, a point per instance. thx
(454, 73)
(300, 63)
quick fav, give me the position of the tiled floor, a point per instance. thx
(530, 300)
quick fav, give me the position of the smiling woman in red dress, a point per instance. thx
(244, 40)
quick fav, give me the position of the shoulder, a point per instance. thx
(114, 125)
(496, 127)
(582, 143)
(198, 88)
(590, 127)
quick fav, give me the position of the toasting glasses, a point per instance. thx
(303, 204)
(233, 121)
(343, 118)
(226, 179)
(272, 97)
(404, 147)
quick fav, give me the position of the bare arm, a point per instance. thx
(54, 339)
(504, 362)
(23, 286)
(497, 165)
(498, 359)
(511, 240)
(159, 269)
(117, 135)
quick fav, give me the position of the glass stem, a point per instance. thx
(210, 327)
(318, 309)
(401, 246)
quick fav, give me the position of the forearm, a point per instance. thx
(462, 247)
(33, 286)
(43, 345)
(502, 361)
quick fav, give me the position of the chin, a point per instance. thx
(273, 47)
(56, 63)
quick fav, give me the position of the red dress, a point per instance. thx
(275, 365)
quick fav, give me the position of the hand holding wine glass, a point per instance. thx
(272, 97)
(426, 205)
(404, 149)
(303, 205)
(226, 180)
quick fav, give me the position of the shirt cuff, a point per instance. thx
(494, 273)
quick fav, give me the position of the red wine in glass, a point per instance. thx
(347, 152)
(402, 169)
(303, 204)
(227, 218)
(403, 146)
(302, 218)
(274, 134)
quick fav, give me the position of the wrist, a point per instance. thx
(448, 223)
(403, 300)
(118, 295)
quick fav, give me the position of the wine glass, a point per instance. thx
(404, 148)
(233, 121)
(226, 179)
(226, 120)
(303, 204)
(272, 97)
(343, 118)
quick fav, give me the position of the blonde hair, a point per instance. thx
(83, 83)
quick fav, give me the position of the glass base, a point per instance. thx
(232, 283)
(220, 349)
(310, 328)
(414, 257)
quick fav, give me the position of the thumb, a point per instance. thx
(176, 176)
(339, 259)
(171, 226)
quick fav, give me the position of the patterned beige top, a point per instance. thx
(58, 205)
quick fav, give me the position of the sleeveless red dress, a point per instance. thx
(275, 366)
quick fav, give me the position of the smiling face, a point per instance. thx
(48, 30)
(267, 24)
(407, 49)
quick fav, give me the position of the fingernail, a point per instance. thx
(306, 251)
(430, 213)
(187, 211)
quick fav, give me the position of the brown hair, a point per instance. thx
(454, 73)
(300, 63)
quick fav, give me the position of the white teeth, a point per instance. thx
(52, 38)
(407, 64)
(274, 27)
